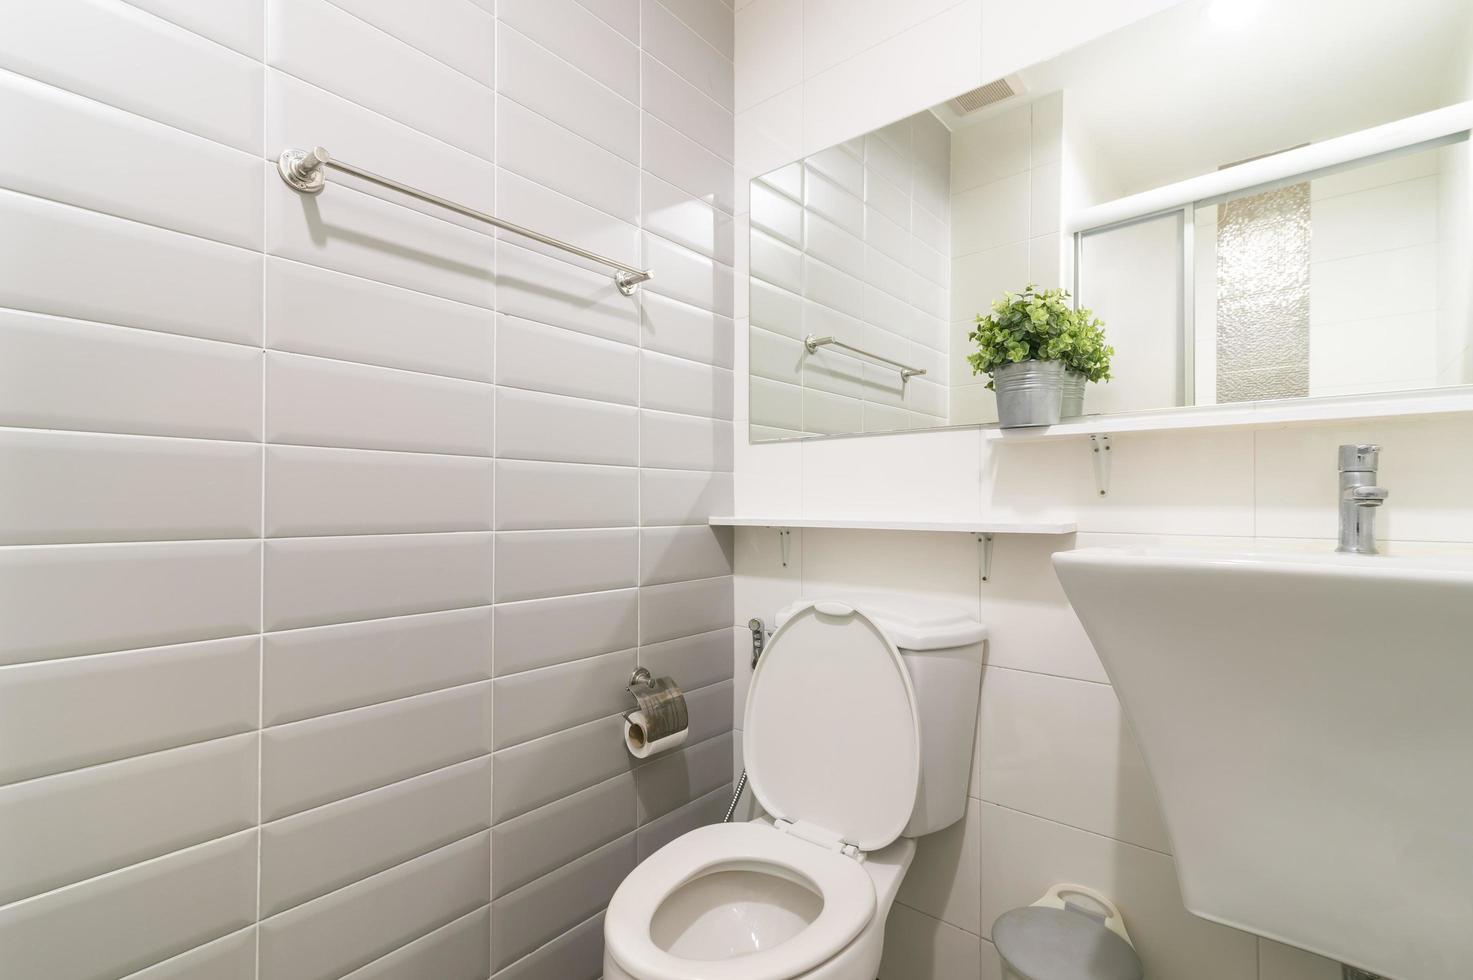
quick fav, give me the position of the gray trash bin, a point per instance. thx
(1072, 933)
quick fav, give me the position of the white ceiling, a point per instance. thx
(1210, 82)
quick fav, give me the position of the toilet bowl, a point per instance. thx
(839, 759)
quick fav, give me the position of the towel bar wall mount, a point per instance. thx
(306, 171)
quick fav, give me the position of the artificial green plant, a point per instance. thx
(1039, 325)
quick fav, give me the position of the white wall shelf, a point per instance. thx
(1434, 401)
(958, 527)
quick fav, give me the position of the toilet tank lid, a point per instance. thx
(911, 622)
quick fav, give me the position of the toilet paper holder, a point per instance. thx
(660, 709)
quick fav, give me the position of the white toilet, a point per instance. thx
(858, 737)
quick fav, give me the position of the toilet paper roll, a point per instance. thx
(637, 740)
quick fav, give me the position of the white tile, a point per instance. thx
(684, 442)
(769, 45)
(1295, 498)
(121, 56)
(1023, 856)
(534, 564)
(71, 374)
(546, 83)
(540, 357)
(540, 702)
(323, 669)
(303, 115)
(1044, 202)
(681, 161)
(545, 632)
(682, 496)
(69, 488)
(622, 15)
(674, 384)
(687, 109)
(764, 584)
(102, 159)
(314, 401)
(874, 476)
(313, 491)
(684, 608)
(675, 554)
(527, 918)
(231, 957)
(328, 314)
(65, 828)
(778, 263)
(577, 952)
(327, 46)
(920, 66)
(991, 215)
(316, 581)
(136, 917)
(458, 951)
(452, 32)
(991, 149)
(541, 150)
(775, 358)
(920, 947)
(683, 50)
(545, 290)
(532, 425)
(134, 702)
(695, 661)
(1373, 285)
(574, 34)
(836, 30)
(775, 407)
(313, 853)
(237, 24)
(72, 600)
(532, 205)
(672, 780)
(662, 830)
(357, 233)
(676, 327)
(711, 19)
(942, 880)
(777, 310)
(533, 844)
(535, 495)
(672, 213)
(70, 262)
(1376, 219)
(711, 711)
(1060, 749)
(836, 246)
(769, 478)
(769, 135)
(827, 199)
(354, 926)
(308, 763)
(547, 769)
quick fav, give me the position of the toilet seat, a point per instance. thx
(847, 892)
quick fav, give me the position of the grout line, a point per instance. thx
(421, 51)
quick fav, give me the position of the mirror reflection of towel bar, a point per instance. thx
(812, 344)
(304, 170)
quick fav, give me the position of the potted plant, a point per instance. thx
(1040, 353)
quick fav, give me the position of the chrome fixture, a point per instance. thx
(760, 633)
(813, 343)
(305, 171)
(1359, 498)
(1351, 973)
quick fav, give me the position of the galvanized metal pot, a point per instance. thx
(1029, 393)
(1073, 406)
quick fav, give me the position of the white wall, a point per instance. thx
(1060, 794)
(851, 243)
(277, 467)
(1006, 193)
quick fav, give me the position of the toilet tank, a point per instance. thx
(942, 648)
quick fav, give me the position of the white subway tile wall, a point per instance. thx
(322, 513)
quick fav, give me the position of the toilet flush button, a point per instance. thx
(831, 608)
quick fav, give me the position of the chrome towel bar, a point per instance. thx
(304, 170)
(813, 343)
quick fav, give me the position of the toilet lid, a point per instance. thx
(832, 737)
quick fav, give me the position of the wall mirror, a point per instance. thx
(1261, 199)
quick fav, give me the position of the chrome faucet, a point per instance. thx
(1359, 498)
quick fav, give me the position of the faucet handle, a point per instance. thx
(1359, 458)
(1369, 496)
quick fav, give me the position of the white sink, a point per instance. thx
(1308, 722)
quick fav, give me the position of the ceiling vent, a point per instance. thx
(990, 94)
